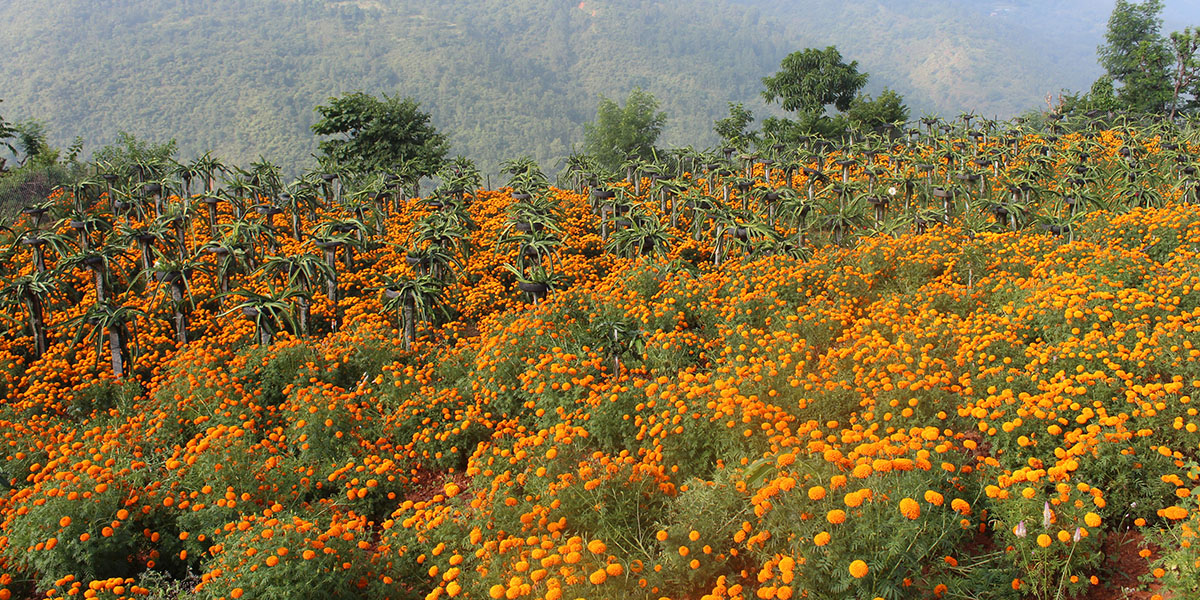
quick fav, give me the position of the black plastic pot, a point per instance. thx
(532, 287)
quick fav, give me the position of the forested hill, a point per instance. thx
(503, 77)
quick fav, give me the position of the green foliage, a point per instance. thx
(1179, 556)
(502, 78)
(620, 133)
(110, 550)
(1184, 46)
(866, 113)
(378, 135)
(312, 570)
(7, 133)
(811, 80)
(128, 151)
(1134, 55)
(733, 129)
(1102, 97)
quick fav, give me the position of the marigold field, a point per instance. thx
(818, 379)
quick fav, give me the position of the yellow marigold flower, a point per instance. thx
(1092, 519)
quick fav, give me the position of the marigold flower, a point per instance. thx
(858, 569)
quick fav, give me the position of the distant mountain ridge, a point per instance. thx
(505, 78)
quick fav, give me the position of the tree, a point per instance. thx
(808, 82)
(1184, 46)
(734, 128)
(376, 135)
(867, 113)
(1102, 97)
(620, 133)
(1136, 56)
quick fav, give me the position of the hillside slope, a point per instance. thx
(504, 78)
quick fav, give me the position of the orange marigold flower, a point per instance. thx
(1174, 513)
(858, 569)
(910, 509)
(836, 516)
(960, 506)
(816, 493)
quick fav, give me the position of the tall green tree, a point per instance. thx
(811, 79)
(374, 135)
(620, 133)
(808, 83)
(1136, 56)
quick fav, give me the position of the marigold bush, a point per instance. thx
(742, 396)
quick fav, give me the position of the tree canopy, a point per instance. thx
(620, 133)
(1149, 73)
(379, 135)
(810, 80)
(868, 113)
(1135, 55)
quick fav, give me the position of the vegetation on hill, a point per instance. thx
(958, 366)
(506, 78)
(843, 355)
